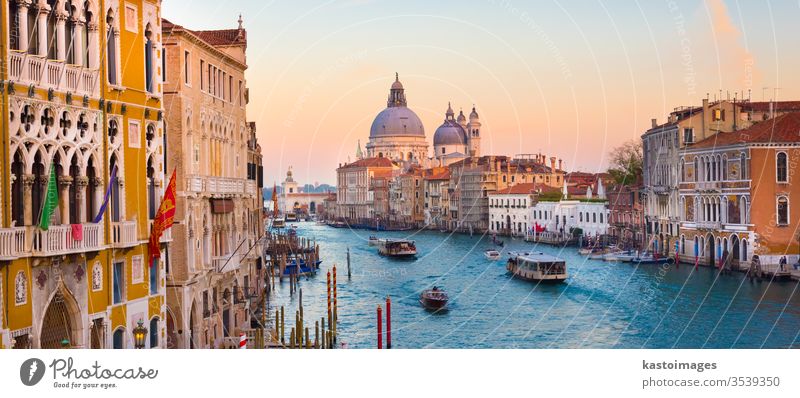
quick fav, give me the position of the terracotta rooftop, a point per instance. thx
(778, 106)
(221, 37)
(524, 189)
(369, 162)
(784, 128)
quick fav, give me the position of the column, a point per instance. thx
(64, 182)
(61, 37)
(27, 197)
(93, 46)
(77, 41)
(22, 15)
(42, 30)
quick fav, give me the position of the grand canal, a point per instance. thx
(602, 305)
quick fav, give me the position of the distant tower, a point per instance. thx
(474, 133)
(288, 186)
(359, 154)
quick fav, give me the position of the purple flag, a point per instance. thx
(99, 216)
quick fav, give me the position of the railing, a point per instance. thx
(12, 242)
(123, 234)
(250, 187)
(708, 224)
(222, 264)
(60, 239)
(220, 185)
(48, 73)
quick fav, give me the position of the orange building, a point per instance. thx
(738, 197)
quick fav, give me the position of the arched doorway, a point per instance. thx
(312, 207)
(711, 250)
(154, 332)
(193, 327)
(508, 224)
(735, 250)
(172, 332)
(61, 322)
(119, 339)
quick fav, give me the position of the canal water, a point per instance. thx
(602, 305)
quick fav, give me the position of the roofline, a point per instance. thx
(180, 30)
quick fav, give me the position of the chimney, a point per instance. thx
(771, 109)
(553, 163)
(653, 123)
(560, 162)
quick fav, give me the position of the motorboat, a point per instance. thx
(278, 222)
(397, 247)
(433, 299)
(492, 254)
(374, 241)
(537, 267)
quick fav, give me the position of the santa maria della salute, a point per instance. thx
(397, 133)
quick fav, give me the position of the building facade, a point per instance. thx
(214, 277)
(737, 195)
(354, 203)
(82, 99)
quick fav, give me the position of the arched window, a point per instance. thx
(119, 339)
(154, 332)
(17, 192)
(783, 210)
(71, 34)
(743, 166)
(781, 167)
(148, 59)
(724, 173)
(86, 50)
(111, 49)
(696, 169)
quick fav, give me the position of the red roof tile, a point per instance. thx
(369, 162)
(784, 128)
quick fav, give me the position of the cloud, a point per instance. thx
(736, 66)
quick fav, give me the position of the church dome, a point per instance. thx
(396, 121)
(450, 133)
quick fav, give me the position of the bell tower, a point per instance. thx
(474, 134)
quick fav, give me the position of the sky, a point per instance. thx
(565, 78)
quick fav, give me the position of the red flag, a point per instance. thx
(164, 219)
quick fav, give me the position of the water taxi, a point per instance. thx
(278, 222)
(374, 241)
(492, 254)
(433, 299)
(291, 217)
(537, 267)
(397, 247)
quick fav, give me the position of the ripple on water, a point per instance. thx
(602, 305)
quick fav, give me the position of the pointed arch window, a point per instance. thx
(111, 49)
(148, 59)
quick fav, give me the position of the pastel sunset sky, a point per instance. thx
(570, 79)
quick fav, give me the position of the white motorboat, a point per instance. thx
(492, 254)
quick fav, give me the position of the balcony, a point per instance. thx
(221, 264)
(60, 239)
(219, 185)
(124, 234)
(708, 225)
(12, 243)
(707, 186)
(51, 74)
(250, 187)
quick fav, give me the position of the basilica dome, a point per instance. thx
(450, 133)
(397, 119)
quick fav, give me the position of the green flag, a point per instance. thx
(50, 200)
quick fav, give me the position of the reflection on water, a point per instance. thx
(602, 305)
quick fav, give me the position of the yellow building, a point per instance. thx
(81, 94)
